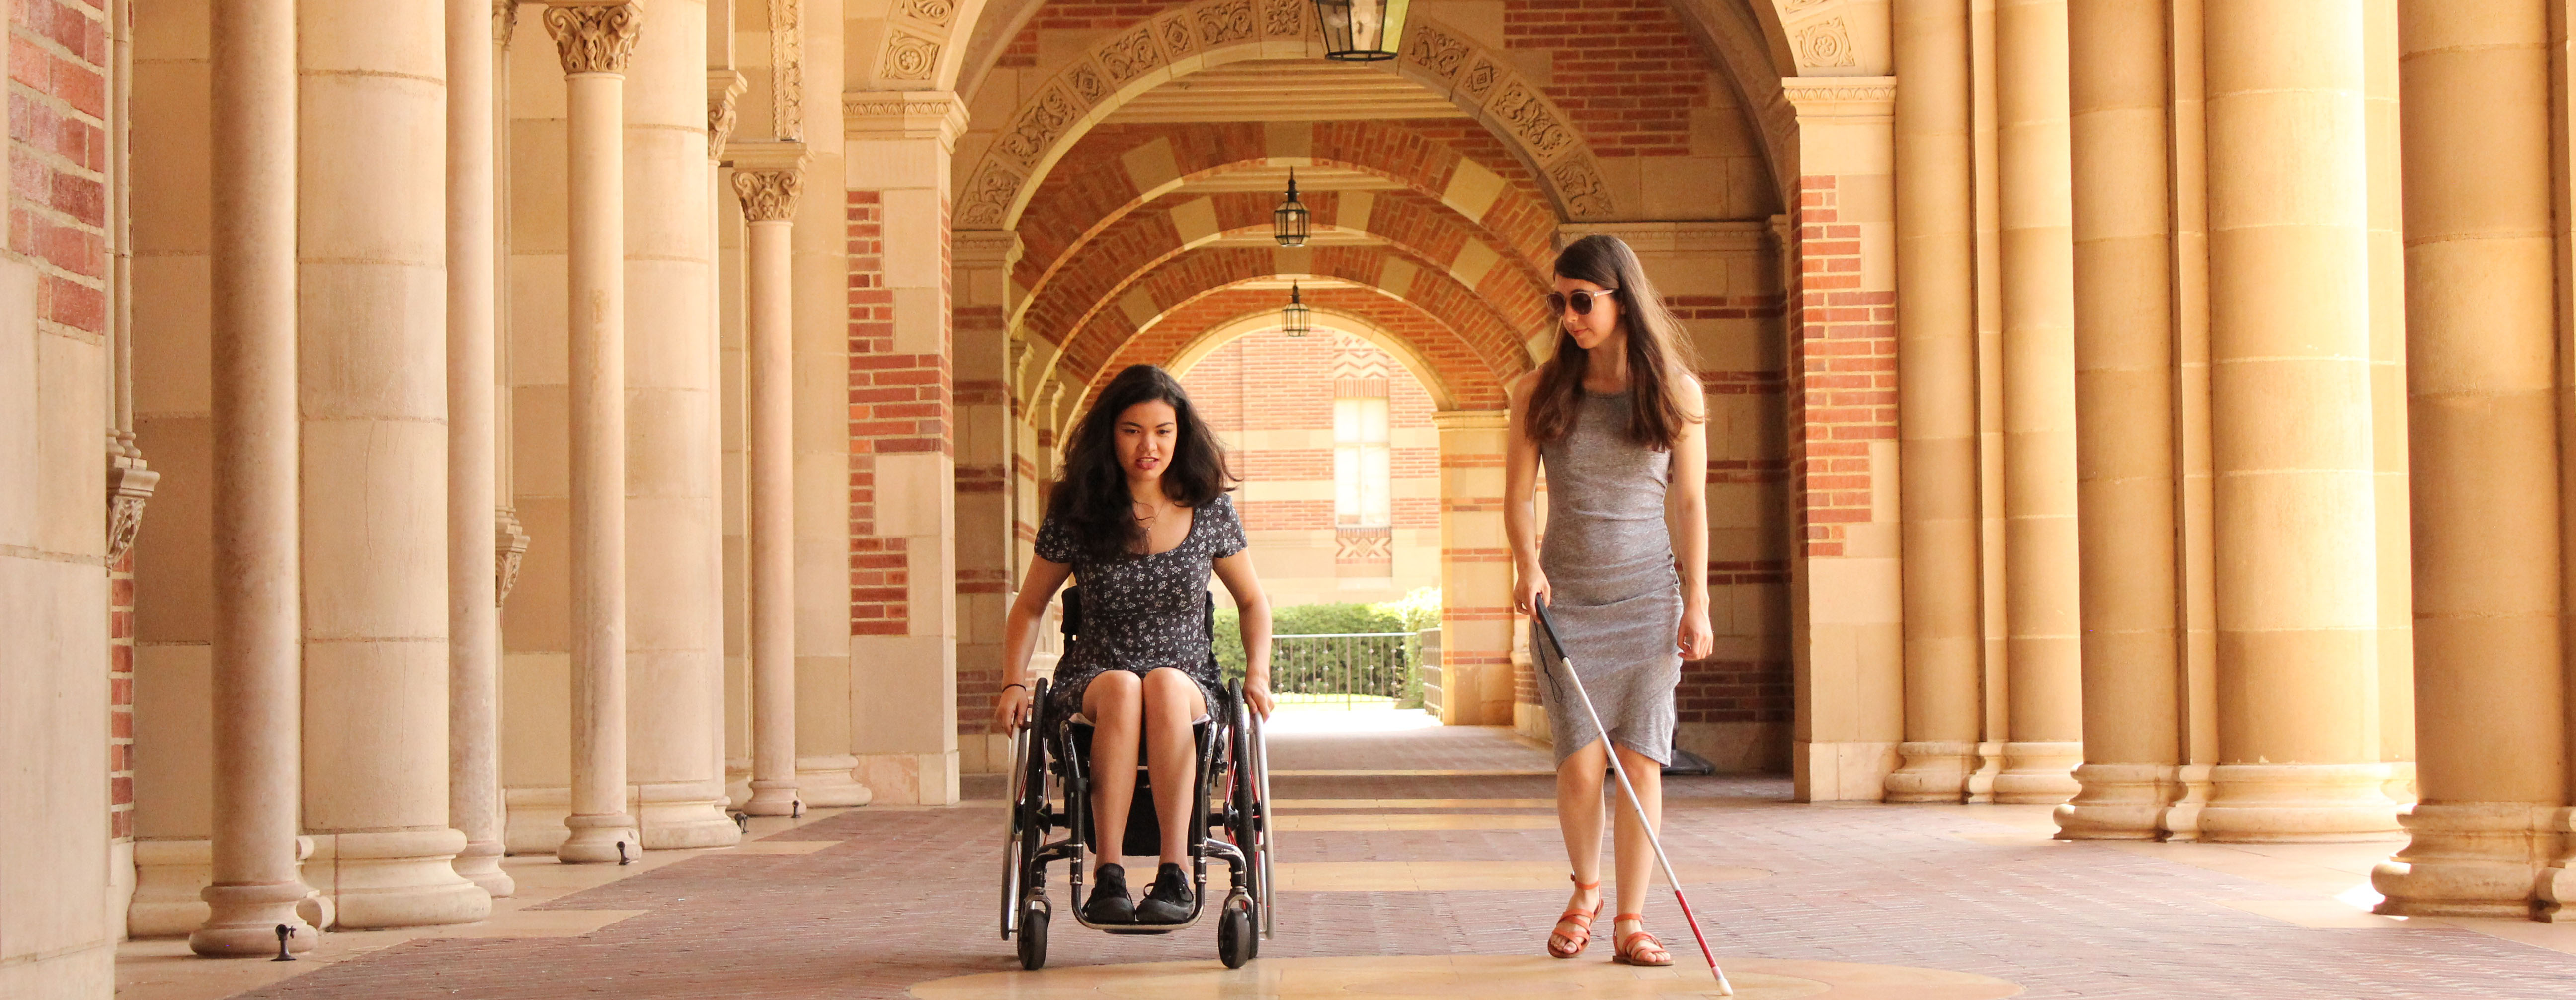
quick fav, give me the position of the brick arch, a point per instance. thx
(1210, 33)
(1421, 232)
(1456, 375)
(1119, 171)
(1492, 336)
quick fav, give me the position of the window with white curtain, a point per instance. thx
(1363, 468)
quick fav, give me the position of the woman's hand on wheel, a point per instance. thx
(1529, 590)
(1256, 691)
(1011, 708)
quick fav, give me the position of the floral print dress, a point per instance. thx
(1141, 612)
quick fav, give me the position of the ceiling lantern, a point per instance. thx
(1295, 319)
(1288, 222)
(1362, 30)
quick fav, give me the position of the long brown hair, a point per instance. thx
(1092, 497)
(1658, 355)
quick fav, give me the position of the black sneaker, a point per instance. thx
(1170, 899)
(1109, 902)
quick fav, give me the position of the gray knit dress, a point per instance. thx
(1614, 595)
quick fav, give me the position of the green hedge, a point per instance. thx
(1415, 612)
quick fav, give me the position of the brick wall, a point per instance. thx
(1291, 378)
(898, 403)
(1625, 71)
(58, 53)
(1843, 348)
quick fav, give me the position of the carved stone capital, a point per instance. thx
(904, 114)
(724, 90)
(509, 545)
(768, 195)
(129, 487)
(505, 21)
(594, 37)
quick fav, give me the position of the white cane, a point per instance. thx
(1724, 988)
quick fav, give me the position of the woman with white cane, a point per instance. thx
(1617, 419)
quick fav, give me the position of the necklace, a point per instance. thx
(1152, 511)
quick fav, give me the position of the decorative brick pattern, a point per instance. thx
(1625, 71)
(1464, 369)
(1842, 347)
(1276, 386)
(898, 403)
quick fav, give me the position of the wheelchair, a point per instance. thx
(1050, 791)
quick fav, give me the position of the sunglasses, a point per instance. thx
(1581, 301)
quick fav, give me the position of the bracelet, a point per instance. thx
(1007, 687)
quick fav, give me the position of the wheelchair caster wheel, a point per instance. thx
(1236, 940)
(1033, 937)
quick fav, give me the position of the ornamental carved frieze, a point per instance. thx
(1045, 119)
(1225, 23)
(987, 198)
(595, 38)
(931, 12)
(768, 195)
(1578, 182)
(1477, 83)
(509, 547)
(909, 57)
(1826, 43)
(1284, 18)
(1437, 52)
(1130, 54)
(1527, 117)
(787, 67)
(1088, 83)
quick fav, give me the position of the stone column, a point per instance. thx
(903, 657)
(594, 42)
(1475, 570)
(2395, 647)
(2290, 347)
(257, 623)
(981, 284)
(1937, 401)
(2041, 579)
(767, 178)
(2482, 338)
(371, 239)
(473, 459)
(674, 550)
(2124, 376)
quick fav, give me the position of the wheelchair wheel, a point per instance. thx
(1236, 940)
(1033, 936)
(1014, 832)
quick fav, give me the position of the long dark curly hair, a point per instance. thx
(1658, 351)
(1092, 497)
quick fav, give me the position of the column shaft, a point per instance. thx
(769, 203)
(257, 623)
(2041, 575)
(2293, 456)
(2395, 645)
(1937, 400)
(674, 552)
(473, 601)
(2124, 374)
(594, 43)
(2481, 335)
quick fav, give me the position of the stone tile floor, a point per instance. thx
(871, 902)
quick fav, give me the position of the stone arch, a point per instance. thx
(1212, 33)
(1340, 319)
(910, 44)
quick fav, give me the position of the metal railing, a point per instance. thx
(1352, 666)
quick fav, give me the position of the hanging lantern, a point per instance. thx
(1362, 30)
(1288, 223)
(1295, 319)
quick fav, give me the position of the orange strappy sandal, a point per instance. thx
(1629, 952)
(1581, 936)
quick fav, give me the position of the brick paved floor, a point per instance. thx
(904, 896)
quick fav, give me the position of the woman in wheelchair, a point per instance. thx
(1141, 517)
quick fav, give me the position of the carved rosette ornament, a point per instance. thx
(594, 38)
(768, 195)
(509, 545)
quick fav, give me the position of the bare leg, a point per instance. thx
(1578, 816)
(1636, 852)
(1114, 702)
(1172, 701)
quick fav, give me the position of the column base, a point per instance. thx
(170, 880)
(243, 920)
(928, 779)
(532, 819)
(2298, 803)
(2118, 802)
(1981, 782)
(1841, 772)
(831, 782)
(599, 839)
(682, 816)
(395, 878)
(2468, 859)
(480, 863)
(772, 798)
(2038, 774)
(737, 782)
(1934, 771)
